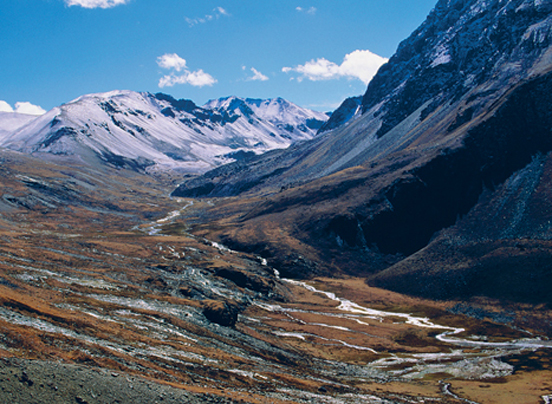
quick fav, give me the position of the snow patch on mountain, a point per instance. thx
(441, 56)
(539, 33)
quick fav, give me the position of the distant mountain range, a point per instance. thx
(436, 182)
(143, 131)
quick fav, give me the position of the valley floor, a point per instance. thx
(120, 303)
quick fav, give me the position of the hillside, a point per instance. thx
(454, 116)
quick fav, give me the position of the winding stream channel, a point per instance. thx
(481, 360)
(472, 357)
(154, 228)
(356, 312)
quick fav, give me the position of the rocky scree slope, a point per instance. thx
(142, 131)
(461, 107)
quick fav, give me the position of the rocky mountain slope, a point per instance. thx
(458, 111)
(349, 109)
(157, 132)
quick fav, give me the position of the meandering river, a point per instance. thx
(475, 357)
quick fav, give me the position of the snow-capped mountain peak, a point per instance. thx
(143, 130)
(276, 111)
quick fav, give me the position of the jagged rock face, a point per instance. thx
(346, 111)
(462, 106)
(142, 131)
(462, 45)
(501, 248)
(435, 194)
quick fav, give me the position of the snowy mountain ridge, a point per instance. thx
(12, 121)
(276, 111)
(157, 132)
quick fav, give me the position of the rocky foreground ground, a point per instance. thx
(34, 382)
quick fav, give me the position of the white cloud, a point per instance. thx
(169, 81)
(197, 79)
(311, 10)
(257, 76)
(28, 108)
(319, 69)
(221, 11)
(217, 13)
(22, 108)
(5, 107)
(171, 61)
(360, 64)
(96, 3)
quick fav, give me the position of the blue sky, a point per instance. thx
(313, 53)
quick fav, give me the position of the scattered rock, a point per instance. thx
(77, 384)
(185, 291)
(246, 279)
(224, 313)
(25, 379)
(157, 282)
